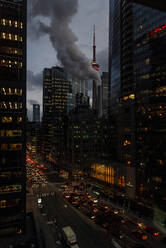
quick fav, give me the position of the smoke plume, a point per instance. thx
(31, 102)
(60, 13)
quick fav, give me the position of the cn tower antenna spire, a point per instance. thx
(94, 44)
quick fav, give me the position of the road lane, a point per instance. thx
(86, 234)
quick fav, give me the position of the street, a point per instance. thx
(56, 204)
(56, 207)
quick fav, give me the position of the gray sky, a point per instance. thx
(41, 53)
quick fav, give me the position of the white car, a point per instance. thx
(50, 222)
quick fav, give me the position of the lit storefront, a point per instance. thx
(103, 172)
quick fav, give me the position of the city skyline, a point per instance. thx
(88, 167)
(43, 55)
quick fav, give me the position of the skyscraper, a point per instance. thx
(36, 112)
(138, 98)
(56, 88)
(12, 115)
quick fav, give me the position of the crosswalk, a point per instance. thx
(46, 194)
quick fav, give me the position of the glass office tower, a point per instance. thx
(56, 88)
(12, 115)
(141, 103)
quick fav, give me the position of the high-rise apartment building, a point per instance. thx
(36, 112)
(12, 115)
(137, 89)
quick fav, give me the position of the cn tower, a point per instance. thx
(95, 66)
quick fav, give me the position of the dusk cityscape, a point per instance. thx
(82, 123)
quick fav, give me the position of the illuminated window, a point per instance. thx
(11, 147)
(16, 24)
(13, 91)
(147, 61)
(3, 22)
(140, 27)
(10, 22)
(10, 188)
(2, 133)
(3, 204)
(126, 143)
(3, 105)
(11, 105)
(19, 119)
(10, 36)
(6, 119)
(16, 37)
(160, 162)
(4, 147)
(21, 25)
(11, 133)
(131, 96)
(15, 147)
(9, 203)
(3, 36)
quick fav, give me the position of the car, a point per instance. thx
(92, 217)
(44, 214)
(50, 222)
(116, 211)
(152, 231)
(140, 234)
(67, 196)
(95, 210)
(124, 220)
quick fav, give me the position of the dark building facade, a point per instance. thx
(34, 137)
(140, 122)
(36, 112)
(80, 142)
(105, 89)
(12, 116)
(88, 141)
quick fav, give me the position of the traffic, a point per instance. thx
(120, 229)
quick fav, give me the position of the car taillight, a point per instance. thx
(144, 237)
(156, 234)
